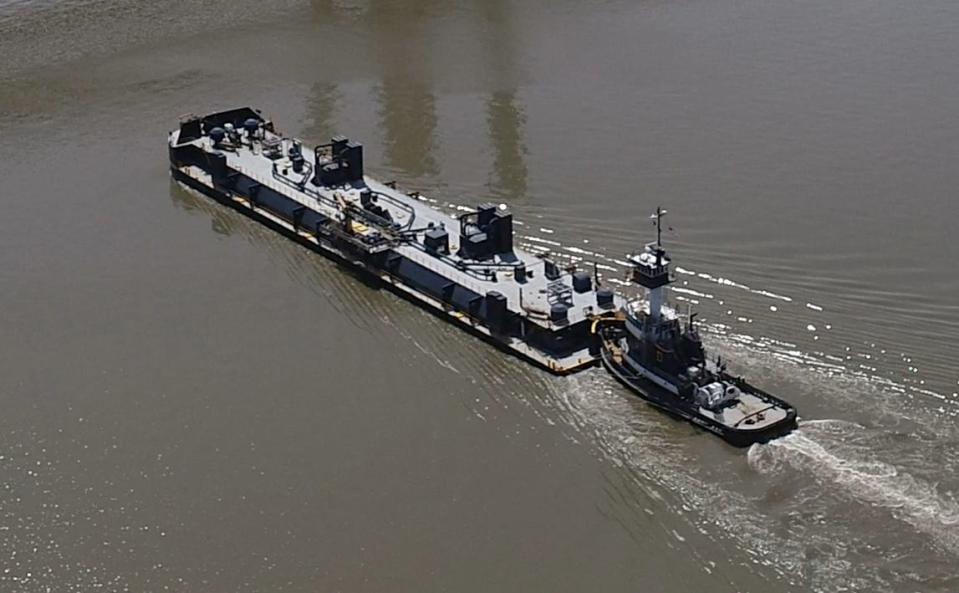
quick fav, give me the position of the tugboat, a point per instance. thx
(648, 349)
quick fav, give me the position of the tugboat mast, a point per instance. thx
(658, 217)
(651, 269)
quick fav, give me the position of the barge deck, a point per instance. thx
(464, 268)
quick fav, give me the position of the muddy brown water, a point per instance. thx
(192, 403)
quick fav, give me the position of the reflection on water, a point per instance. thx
(506, 121)
(407, 104)
(321, 107)
(223, 221)
(404, 92)
(408, 117)
(505, 114)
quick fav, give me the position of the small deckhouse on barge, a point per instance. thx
(465, 268)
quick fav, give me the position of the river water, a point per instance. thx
(192, 403)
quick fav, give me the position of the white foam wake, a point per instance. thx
(823, 449)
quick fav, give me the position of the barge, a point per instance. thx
(466, 268)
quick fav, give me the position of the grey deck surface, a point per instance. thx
(533, 294)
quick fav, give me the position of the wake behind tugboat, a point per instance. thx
(646, 348)
(467, 270)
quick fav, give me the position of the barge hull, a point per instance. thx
(193, 178)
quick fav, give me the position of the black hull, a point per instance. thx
(360, 270)
(668, 402)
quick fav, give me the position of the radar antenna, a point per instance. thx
(658, 222)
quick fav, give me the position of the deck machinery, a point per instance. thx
(464, 268)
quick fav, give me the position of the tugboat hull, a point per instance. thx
(689, 411)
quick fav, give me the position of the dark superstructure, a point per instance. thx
(466, 269)
(648, 349)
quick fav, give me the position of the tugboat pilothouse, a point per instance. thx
(648, 349)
